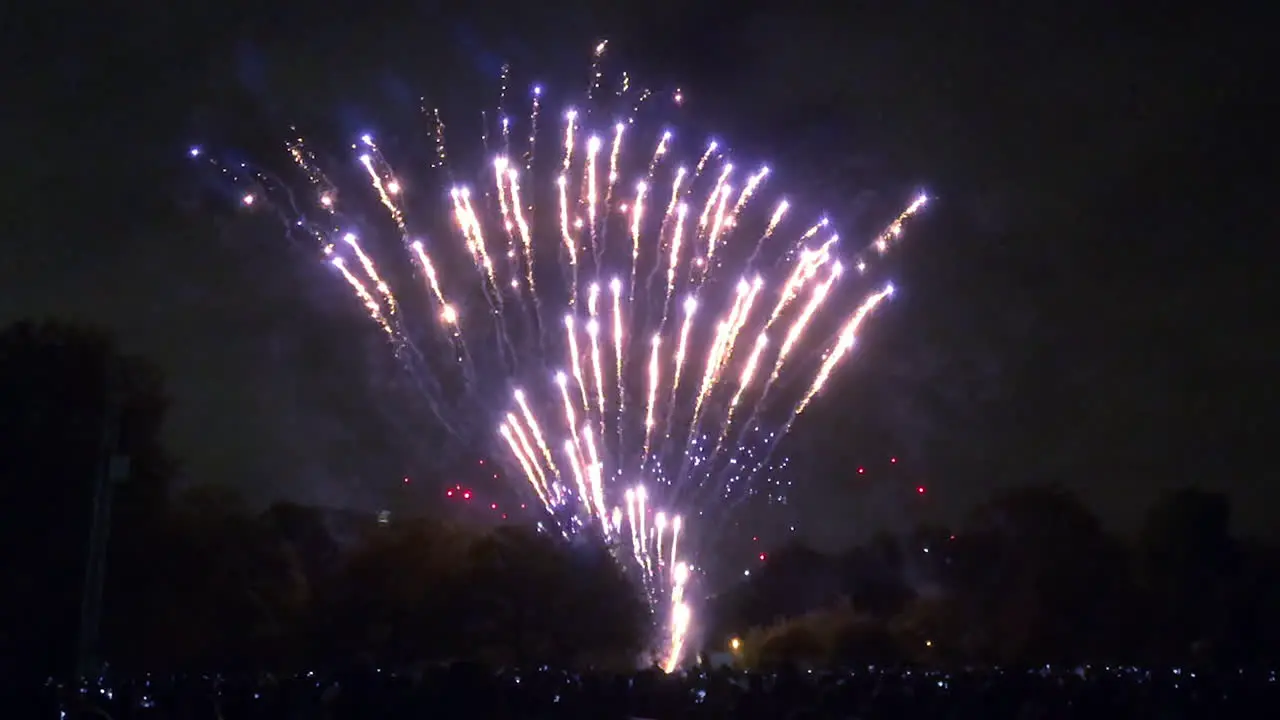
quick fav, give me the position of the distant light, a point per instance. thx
(735, 644)
(861, 470)
(928, 643)
(893, 459)
(746, 573)
(406, 481)
(448, 493)
(194, 152)
(493, 506)
(920, 490)
(247, 199)
(762, 557)
(466, 495)
(481, 461)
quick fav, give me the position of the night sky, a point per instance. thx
(1084, 303)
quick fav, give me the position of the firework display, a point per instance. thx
(638, 332)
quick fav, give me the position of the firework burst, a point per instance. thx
(657, 324)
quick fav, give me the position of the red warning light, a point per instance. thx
(522, 507)
(861, 470)
(466, 496)
(493, 506)
(920, 490)
(406, 481)
(482, 462)
(893, 459)
(504, 516)
(762, 557)
(755, 539)
(448, 493)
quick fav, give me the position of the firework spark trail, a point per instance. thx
(566, 236)
(503, 80)
(781, 210)
(845, 342)
(615, 287)
(637, 215)
(618, 130)
(655, 373)
(571, 118)
(576, 359)
(533, 128)
(682, 211)
(589, 193)
(520, 447)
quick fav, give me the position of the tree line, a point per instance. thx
(1030, 577)
(196, 580)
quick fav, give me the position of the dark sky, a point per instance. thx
(1084, 303)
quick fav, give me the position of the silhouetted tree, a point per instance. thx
(69, 401)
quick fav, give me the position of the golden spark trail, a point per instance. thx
(894, 230)
(593, 149)
(748, 373)
(571, 118)
(798, 327)
(675, 193)
(594, 474)
(674, 262)
(679, 627)
(593, 332)
(738, 322)
(537, 432)
(847, 338)
(383, 289)
(660, 151)
(540, 479)
(375, 310)
(690, 307)
(578, 474)
(505, 431)
(717, 226)
(712, 198)
(513, 179)
(637, 214)
(810, 262)
(630, 497)
(384, 191)
(705, 157)
(613, 161)
(654, 375)
(615, 287)
(675, 542)
(567, 238)
(659, 527)
(576, 358)
(570, 417)
(472, 221)
(433, 282)
(752, 183)
(499, 176)
(533, 128)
